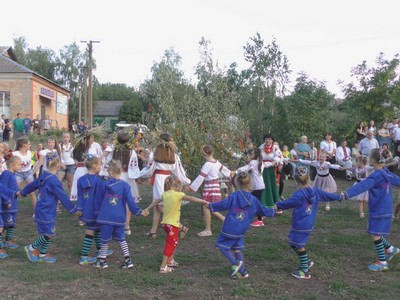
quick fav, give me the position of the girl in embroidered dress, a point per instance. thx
(362, 171)
(323, 180)
(212, 189)
(67, 168)
(272, 157)
(164, 161)
(22, 150)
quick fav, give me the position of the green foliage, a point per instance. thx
(377, 89)
(114, 91)
(305, 112)
(264, 81)
(209, 115)
(131, 111)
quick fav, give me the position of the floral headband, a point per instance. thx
(301, 171)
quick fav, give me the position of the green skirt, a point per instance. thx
(271, 192)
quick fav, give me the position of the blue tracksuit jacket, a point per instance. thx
(113, 207)
(242, 207)
(50, 191)
(90, 196)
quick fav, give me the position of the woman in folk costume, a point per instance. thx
(124, 153)
(163, 162)
(272, 157)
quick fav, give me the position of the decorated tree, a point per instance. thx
(195, 117)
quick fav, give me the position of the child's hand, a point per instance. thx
(18, 194)
(8, 206)
(186, 189)
(233, 173)
(78, 213)
(342, 196)
(145, 212)
(204, 203)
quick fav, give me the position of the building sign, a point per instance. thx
(62, 104)
(47, 93)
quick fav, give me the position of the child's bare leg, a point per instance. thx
(218, 215)
(207, 218)
(397, 211)
(164, 261)
(33, 200)
(361, 208)
(157, 211)
(128, 220)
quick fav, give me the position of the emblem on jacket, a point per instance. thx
(309, 209)
(113, 201)
(240, 216)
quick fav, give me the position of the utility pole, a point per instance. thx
(90, 87)
(80, 105)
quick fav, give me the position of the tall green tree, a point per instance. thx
(375, 93)
(265, 82)
(195, 115)
(306, 111)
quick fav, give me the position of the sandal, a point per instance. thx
(173, 264)
(205, 233)
(166, 269)
(128, 231)
(151, 234)
(183, 232)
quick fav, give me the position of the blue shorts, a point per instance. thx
(9, 219)
(92, 226)
(24, 176)
(48, 229)
(226, 243)
(109, 232)
(378, 227)
(298, 239)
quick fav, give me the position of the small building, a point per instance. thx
(106, 113)
(25, 91)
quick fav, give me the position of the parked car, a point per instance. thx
(139, 127)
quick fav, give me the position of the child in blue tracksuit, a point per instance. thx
(90, 195)
(380, 206)
(9, 215)
(112, 214)
(6, 197)
(304, 202)
(50, 192)
(242, 206)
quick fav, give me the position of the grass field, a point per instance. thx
(339, 247)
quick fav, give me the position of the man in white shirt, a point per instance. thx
(396, 139)
(343, 157)
(367, 143)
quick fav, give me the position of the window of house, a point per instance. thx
(5, 103)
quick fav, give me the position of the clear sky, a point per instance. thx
(325, 39)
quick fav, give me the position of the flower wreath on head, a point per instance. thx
(301, 171)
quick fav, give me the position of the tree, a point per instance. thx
(305, 112)
(265, 82)
(131, 111)
(195, 116)
(376, 89)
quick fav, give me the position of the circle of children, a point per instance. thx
(102, 180)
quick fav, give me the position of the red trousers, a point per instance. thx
(171, 241)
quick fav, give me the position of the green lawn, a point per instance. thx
(340, 248)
